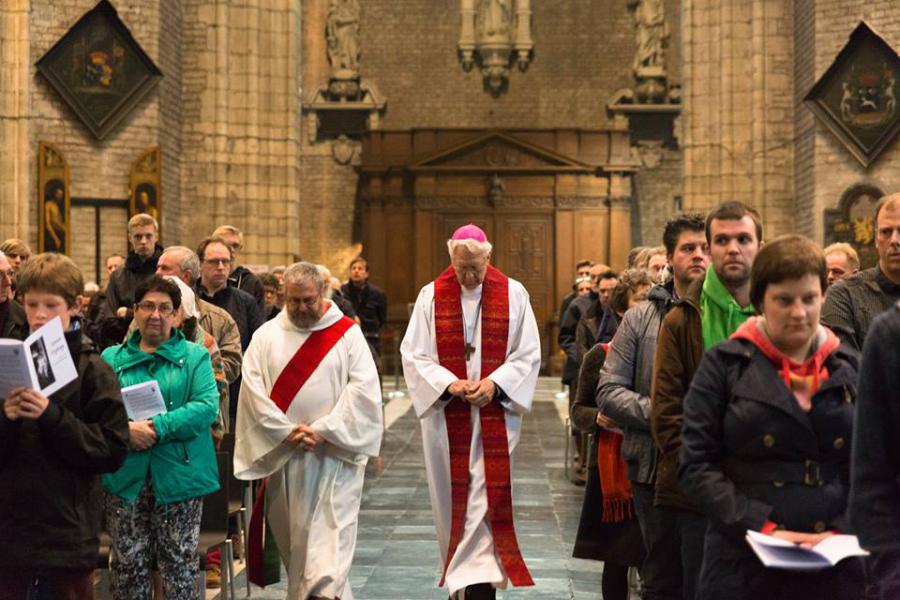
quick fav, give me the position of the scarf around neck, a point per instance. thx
(720, 314)
(802, 379)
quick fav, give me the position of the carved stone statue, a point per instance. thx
(652, 34)
(494, 19)
(342, 32)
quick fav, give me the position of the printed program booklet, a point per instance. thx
(143, 400)
(42, 362)
(777, 553)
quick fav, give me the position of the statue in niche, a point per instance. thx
(494, 19)
(652, 34)
(342, 33)
(652, 37)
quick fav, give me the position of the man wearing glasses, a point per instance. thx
(241, 277)
(852, 304)
(140, 265)
(216, 258)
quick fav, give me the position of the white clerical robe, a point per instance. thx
(312, 498)
(475, 560)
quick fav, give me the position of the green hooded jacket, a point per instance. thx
(182, 463)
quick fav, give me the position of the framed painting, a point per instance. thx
(145, 190)
(853, 222)
(53, 200)
(856, 98)
(99, 69)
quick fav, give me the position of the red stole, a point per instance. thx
(449, 331)
(294, 375)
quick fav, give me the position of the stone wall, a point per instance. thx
(241, 129)
(583, 54)
(829, 168)
(739, 107)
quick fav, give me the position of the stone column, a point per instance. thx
(619, 220)
(16, 154)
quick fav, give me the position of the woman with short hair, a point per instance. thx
(153, 503)
(766, 434)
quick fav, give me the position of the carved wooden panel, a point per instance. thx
(523, 249)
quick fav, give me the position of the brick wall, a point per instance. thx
(97, 169)
(739, 113)
(833, 169)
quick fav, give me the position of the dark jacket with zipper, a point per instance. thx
(243, 279)
(123, 282)
(750, 454)
(50, 501)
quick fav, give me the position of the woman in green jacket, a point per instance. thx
(153, 502)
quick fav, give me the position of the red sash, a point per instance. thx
(448, 325)
(294, 375)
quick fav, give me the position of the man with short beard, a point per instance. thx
(623, 395)
(713, 307)
(309, 418)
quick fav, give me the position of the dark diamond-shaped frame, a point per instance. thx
(99, 69)
(835, 98)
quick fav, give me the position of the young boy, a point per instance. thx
(52, 451)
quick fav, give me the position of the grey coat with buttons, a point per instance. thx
(750, 454)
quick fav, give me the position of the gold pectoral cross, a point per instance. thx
(470, 349)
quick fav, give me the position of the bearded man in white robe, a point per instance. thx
(309, 417)
(471, 357)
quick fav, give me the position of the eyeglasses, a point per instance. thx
(234, 246)
(150, 307)
(215, 262)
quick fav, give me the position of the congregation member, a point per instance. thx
(240, 276)
(13, 323)
(116, 313)
(215, 257)
(271, 286)
(767, 434)
(153, 502)
(471, 356)
(608, 530)
(582, 273)
(595, 327)
(113, 262)
(851, 305)
(17, 252)
(623, 396)
(369, 303)
(603, 280)
(183, 263)
(582, 286)
(335, 296)
(875, 472)
(653, 260)
(53, 449)
(713, 307)
(309, 418)
(842, 262)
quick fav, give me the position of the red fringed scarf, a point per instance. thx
(618, 503)
(449, 331)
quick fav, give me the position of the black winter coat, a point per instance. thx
(750, 454)
(50, 496)
(243, 279)
(111, 329)
(14, 325)
(370, 305)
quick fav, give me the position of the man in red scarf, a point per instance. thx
(471, 357)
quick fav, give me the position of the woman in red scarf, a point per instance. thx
(766, 434)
